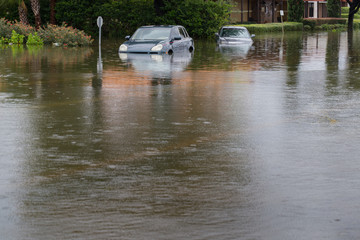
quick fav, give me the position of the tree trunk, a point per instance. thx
(350, 21)
(23, 13)
(52, 12)
(354, 8)
(35, 6)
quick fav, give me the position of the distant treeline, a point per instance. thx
(202, 18)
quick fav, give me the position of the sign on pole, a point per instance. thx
(282, 23)
(100, 22)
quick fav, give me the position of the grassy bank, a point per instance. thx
(273, 27)
(345, 14)
(321, 24)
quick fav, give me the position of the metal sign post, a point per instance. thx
(100, 22)
(282, 23)
(99, 62)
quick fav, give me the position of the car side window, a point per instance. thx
(176, 32)
(181, 31)
(186, 33)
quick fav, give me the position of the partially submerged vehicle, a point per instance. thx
(158, 40)
(233, 35)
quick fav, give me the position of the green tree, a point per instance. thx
(22, 9)
(334, 8)
(82, 14)
(295, 10)
(200, 17)
(35, 6)
(159, 7)
(23, 12)
(354, 8)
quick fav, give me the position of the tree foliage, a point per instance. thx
(10, 9)
(201, 18)
(334, 8)
(122, 17)
(295, 10)
(35, 6)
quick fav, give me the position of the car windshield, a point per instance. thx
(143, 34)
(235, 33)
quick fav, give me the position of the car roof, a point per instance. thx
(234, 27)
(160, 26)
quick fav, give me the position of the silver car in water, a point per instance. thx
(158, 40)
(233, 35)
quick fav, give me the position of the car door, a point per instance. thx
(187, 40)
(184, 38)
(176, 41)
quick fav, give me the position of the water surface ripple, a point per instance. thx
(247, 142)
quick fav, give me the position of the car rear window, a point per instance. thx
(235, 33)
(144, 34)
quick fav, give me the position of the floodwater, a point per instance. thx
(250, 142)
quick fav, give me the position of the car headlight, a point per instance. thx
(123, 48)
(123, 56)
(157, 48)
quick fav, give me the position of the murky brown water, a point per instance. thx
(254, 142)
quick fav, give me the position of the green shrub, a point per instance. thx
(295, 10)
(4, 41)
(22, 28)
(16, 38)
(17, 32)
(331, 27)
(6, 28)
(356, 24)
(200, 17)
(64, 35)
(345, 10)
(309, 23)
(345, 13)
(34, 39)
(80, 14)
(322, 21)
(124, 17)
(273, 27)
(334, 8)
(307, 28)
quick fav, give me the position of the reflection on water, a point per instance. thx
(257, 142)
(160, 67)
(235, 50)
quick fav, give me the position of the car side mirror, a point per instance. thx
(127, 37)
(252, 35)
(177, 38)
(217, 34)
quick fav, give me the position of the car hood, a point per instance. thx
(143, 46)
